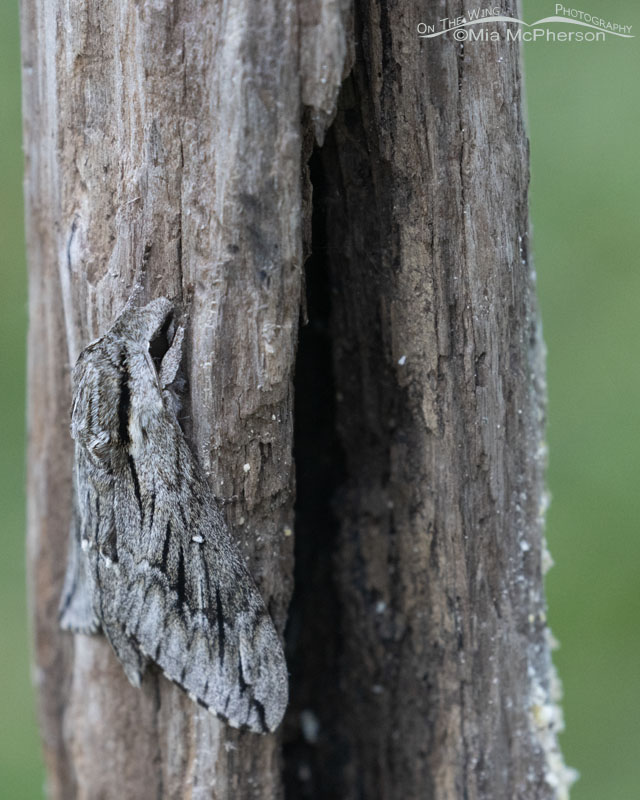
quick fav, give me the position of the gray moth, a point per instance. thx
(151, 562)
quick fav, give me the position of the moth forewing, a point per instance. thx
(151, 559)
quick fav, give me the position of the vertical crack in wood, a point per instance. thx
(313, 751)
(439, 618)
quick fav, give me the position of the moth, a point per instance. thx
(151, 562)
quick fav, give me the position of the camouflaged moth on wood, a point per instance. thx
(152, 563)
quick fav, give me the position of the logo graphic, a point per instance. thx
(591, 28)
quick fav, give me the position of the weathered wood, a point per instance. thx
(168, 135)
(438, 641)
(169, 140)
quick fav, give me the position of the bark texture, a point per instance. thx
(166, 136)
(423, 666)
(168, 141)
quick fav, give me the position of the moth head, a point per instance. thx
(118, 378)
(144, 325)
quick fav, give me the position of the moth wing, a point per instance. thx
(192, 607)
(131, 658)
(77, 604)
(77, 609)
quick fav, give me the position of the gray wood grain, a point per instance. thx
(442, 658)
(172, 138)
(167, 135)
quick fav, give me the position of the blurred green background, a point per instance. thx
(21, 773)
(584, 115)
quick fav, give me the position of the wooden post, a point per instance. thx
(167, 137)
(170, 140)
